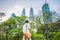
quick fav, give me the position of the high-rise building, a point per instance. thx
(23, 12)
(13, 15)
(40, 15)
(47, 17)
(1, 17)
(31, 15)
(55, 16)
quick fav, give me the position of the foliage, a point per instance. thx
(52, 30)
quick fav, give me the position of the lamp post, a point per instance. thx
(7, 32)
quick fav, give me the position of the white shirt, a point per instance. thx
(26, 27)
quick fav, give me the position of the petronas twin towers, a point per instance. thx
(24, 12)
(31, 15)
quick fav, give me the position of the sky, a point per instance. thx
(16, 6)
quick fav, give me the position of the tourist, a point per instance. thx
(26, 31)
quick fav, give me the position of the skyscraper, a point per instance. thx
(31, 15)
(46, 13)
(23, 12)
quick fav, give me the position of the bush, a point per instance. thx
(38, 37)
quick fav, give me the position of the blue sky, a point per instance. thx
(16, 6)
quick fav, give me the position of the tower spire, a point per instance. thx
(45, 1)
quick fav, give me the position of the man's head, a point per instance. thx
(26, 21)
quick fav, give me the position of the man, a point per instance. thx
(26, 31)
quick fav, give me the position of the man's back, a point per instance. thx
(26, 27)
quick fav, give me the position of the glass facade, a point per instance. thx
(23, 12)
(31, 15)
(31, 12)
(45, 8)
(13, 15)
(47, 17)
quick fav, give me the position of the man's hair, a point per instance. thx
(26, 21)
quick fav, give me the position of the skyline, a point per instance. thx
(16, 6)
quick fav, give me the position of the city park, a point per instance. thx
(12, 28)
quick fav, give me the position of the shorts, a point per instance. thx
(27, 35)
